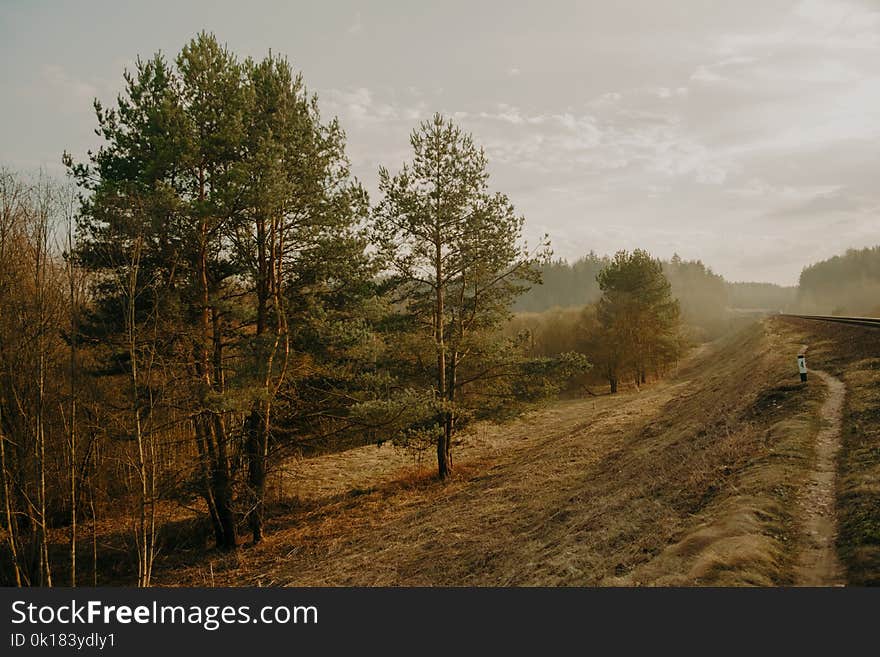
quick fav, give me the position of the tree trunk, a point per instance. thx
(442, 455)
(449, 426)
(213, 429)
(253, 424)
(7, 507)
(222, 485)
(73, 482)
(443, 464)
(145, 538)
(262, 282)
(205, 461)
(257, 438)
(94, 533)
(45, 572)
(257, 447)
(269, 286)
(74, 328)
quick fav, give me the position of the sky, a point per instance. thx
(745, 134)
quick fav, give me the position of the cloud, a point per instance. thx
(840, 200)
(70, 88)
(358, 105)
(568, 143)
(705, 74)
(828, 25)
(608, 98)
(717, 71)
(666, 93)
(765, 192)
(760, 126)
(357, 25)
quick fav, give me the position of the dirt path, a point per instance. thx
(818, 564)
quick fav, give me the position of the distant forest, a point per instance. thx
(842, 285)
(705, 297)
(702, 295)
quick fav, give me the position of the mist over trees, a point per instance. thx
(761, 296)
(706, 298)
(633, 332)
(847, 284)
(701, 293)
(556, 318)
(564, 285)
(702, 296)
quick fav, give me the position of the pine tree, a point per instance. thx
(241, 200)
(453, 251)
(638, 316)
(301, 243)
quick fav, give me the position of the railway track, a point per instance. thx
(860, 321)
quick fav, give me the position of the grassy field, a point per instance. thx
(698, 479)
(694, 480)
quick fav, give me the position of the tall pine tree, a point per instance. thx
(248, 221)
(453, 251)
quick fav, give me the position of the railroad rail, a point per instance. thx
(860, 321)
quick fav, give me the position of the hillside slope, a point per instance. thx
(694, 480)
(852, 354)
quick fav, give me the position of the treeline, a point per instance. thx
(632, 333)
(565, 285)
(842, 285)
(706, 298)
(701, 293)
(219, 292)
(761, 296)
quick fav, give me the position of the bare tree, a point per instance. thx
(11, 200)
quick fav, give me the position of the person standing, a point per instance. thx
(802, 367)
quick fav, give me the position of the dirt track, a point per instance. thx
(818, 564)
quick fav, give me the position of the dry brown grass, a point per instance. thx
(691, 481)
(851, 353)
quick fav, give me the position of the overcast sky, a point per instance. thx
(746, 134)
